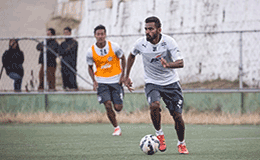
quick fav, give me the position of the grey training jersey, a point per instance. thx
(154, 72)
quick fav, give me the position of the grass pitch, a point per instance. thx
(95, 141)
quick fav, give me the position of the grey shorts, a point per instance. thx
(171, 95)
(113, 92)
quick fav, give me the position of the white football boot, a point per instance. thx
(117, 131)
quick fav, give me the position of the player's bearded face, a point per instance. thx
(151, 31)
(151, 37)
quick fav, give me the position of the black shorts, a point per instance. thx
(113, 92)
(171, 95)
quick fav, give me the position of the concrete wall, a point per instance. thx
(127, 16)
(24, 17)
(59, 103)
(216, 55)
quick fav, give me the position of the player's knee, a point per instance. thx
(176, 116)
(155, 106)
(118, 107)
(108, 105)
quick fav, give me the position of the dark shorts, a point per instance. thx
(171, 95)
(113, 92)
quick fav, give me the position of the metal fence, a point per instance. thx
(230, 57)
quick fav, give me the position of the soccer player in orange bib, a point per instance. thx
(109, 75)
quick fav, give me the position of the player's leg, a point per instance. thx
(118, 107)
(104, 96)
(172, 96)
(110, 113)
(155, 112)
(117, 128)
(180, 130)
(117, 92)
(179, 125)
(153, 98)
(112, 117)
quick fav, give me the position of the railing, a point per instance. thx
(232, 56)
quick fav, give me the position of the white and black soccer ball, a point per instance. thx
(149, 144)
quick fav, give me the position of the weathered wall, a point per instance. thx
(207, 56)
(24, 18)
(127, 16)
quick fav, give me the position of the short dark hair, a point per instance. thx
(155, 20)
(68, 28)
(99, 27)
(52, 31)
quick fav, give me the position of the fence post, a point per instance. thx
(241, 62)
(241, 72)
(242, 103)
(45, 65)
(45, 74)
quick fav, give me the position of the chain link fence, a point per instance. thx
(229, 57)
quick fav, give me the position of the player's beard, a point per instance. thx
(149, 38)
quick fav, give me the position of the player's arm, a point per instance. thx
(92, 75)
(130, 62)
(176, 64)
(121, 56)
(175, 55)
(123, 62)
(90, 63)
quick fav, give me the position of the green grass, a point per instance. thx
(94, 141)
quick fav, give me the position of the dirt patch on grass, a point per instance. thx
(135, 117)
(214, 84)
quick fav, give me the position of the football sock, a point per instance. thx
(179, 142)
(160, 132)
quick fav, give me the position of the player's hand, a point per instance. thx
(164, 63)
(128, 84)
(95, 85)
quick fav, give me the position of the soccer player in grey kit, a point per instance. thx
(161, 57)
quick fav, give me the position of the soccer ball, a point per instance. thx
(149, 144)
